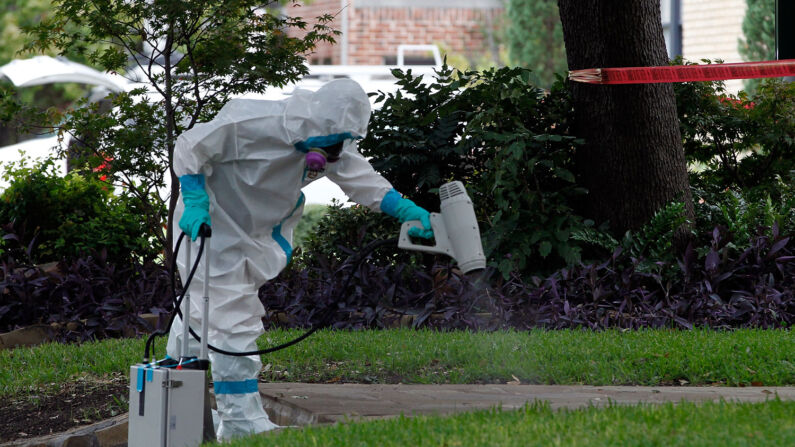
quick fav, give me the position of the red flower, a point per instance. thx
(104, 167)
(735, 102)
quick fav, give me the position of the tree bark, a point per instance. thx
(633, 162)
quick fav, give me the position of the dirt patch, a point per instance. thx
(81, 402)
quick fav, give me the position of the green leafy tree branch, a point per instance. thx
(190, 58)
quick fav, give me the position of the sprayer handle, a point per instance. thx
(442, 245)
(205, 230)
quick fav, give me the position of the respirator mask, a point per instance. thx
(317, 157)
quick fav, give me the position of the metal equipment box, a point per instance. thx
(167, 407)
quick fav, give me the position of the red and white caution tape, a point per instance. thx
(685, 73)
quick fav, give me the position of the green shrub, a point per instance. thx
(49, 218)
(309, 220)
(742, 154)
(511, 145)
(343, 230)
(653, 241)
(650, 249)
(745, 214)
(739, 142)
(505, 139)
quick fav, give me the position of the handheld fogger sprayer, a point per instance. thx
(455, 230)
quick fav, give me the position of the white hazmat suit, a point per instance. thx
(254, 174)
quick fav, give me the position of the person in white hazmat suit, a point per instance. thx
(242, 174)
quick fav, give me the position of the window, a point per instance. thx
(672, 26)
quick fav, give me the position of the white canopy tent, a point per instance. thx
(41, 70)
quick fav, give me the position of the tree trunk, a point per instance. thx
(633, 162)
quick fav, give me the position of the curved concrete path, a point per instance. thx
(305, 403)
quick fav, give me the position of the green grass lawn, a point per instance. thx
(648, 357)
(685, 424)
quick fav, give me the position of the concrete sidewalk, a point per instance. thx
(303, 403)
(296, 404)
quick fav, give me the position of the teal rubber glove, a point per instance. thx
(405, 210)
(197, 205)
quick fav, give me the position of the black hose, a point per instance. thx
(325, 320)
(178, 301)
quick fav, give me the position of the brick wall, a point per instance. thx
(377, 32)
(324, 53)
(374, 32)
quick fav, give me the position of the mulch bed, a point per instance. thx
(83, 401)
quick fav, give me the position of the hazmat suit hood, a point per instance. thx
(338, 107)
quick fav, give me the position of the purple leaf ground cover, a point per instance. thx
(719, 286)
(100, 299)
(723, 288)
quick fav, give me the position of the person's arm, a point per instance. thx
(362, 184)
(193, 152)
(357, 178)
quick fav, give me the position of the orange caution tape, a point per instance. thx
(685, 73)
